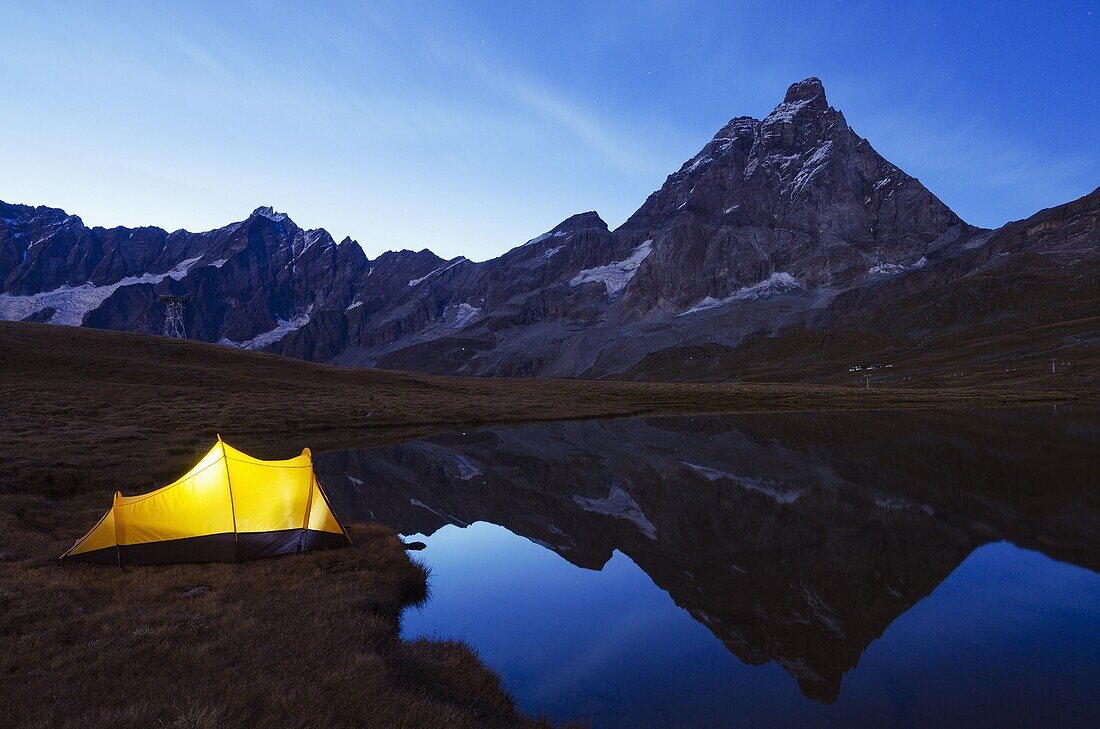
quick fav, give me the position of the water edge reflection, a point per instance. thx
(795, 540)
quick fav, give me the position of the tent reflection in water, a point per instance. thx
(230, 507)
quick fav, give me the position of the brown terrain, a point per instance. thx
(296, 641)
(1019, 358)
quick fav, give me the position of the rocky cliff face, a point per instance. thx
(797, 195)
(776, 225)
(247, 281)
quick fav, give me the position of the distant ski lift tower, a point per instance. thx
(173, 316)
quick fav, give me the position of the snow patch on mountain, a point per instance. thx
(620, 505)
(459, 316)
(815, 164)
(696, 162)
(72, 303)
(545, 236)
(778, 284)
(282, 328)
(891, 269)
(441, 269)
(311, 237)
(777, 162)
(785, 112)
(549, 253)
(617, 274)
(708, 303)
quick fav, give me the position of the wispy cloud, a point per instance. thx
(558, 109)
(610, 141)
(199, 56)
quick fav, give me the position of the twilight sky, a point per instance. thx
(469, 128)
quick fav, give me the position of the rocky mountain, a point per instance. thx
(997, 306)
(779, 226)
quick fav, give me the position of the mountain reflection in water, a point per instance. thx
(795, 539)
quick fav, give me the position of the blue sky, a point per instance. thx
(470, 127)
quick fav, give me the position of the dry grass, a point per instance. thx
(298, 641)
(1017, 359)
(301, 641)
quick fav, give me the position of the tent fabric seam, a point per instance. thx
(265, 465)
(139, 497)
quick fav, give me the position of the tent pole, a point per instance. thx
(324, 497)
(309, 506)
(334, 514)
(116, 507)
(232, 506)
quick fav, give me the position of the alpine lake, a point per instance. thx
(875, 569)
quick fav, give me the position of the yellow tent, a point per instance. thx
(230, 507)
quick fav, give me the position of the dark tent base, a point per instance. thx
(214, 548)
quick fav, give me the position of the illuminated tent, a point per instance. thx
(230, 507)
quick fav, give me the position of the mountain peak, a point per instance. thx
(266, 211)
(590, 219)
(809, 89)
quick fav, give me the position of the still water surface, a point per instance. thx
(875, 569)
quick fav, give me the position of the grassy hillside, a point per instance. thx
(1016, 359)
